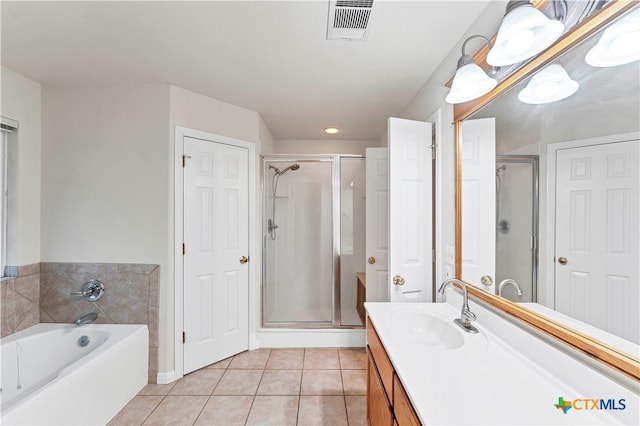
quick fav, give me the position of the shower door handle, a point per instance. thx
(244, 259)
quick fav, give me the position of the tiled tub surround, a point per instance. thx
(20, 298)
(130, 297)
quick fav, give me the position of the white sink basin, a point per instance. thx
(427, 329)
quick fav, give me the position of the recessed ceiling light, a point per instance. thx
(331, 130)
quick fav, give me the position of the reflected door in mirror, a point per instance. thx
(597, 232)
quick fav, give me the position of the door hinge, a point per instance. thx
(433, 142)
(184, 337)
(184, 160)
(184, 249)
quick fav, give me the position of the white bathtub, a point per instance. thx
(48, 378)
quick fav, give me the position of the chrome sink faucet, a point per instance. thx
(86, 319)
(466, 316)
(509, 281)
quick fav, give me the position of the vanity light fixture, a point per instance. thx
(525, 31)
(470, 81)
(331, 130)
(619, 43)
(549, 85)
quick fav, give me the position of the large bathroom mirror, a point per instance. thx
(562, 222)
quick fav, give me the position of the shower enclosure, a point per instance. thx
(313, 240)
(517, 225)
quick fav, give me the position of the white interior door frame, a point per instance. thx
(549, 292)
(178, 302)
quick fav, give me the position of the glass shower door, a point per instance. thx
(298, 243)
(517, 225)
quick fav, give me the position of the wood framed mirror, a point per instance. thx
(609, 354)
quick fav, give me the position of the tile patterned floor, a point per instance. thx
(313, 386)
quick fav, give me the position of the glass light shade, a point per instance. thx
(619, 43)
(524, 32)
(549, 85)
(470, 82)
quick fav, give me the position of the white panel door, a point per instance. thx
(410, 214)
(478, 140)
(216, 224)
(597, 260)
(377, 200)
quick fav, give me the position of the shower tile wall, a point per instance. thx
(20, 298)
(131, 297)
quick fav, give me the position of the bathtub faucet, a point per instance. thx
(86, 319)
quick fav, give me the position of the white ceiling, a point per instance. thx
(268, 56)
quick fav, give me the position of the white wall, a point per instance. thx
(21, 101)
(106, 181)
(321, 146)
(267, 143)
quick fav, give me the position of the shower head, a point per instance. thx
(294, 167)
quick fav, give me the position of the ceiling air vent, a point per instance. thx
(349, 20)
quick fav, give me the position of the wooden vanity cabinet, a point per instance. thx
(387, 401)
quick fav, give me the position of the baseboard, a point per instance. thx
(167, 377)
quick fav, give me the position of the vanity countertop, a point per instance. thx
(485, 380)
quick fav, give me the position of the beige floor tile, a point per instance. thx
(153, 389)
(321, 382)
(221, 364)
(177, 410)
(137, 410)
(321, 358)
(239, 382)
(354, 382)
(251, 359)
(274, 410)
(322, 410)
(201, 382)
(288, 359)
(352, 358)
(225, 410)
(356, 410)
(280, 382)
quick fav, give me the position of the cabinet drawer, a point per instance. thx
(379, 413)
(402, 408)
(381, 359)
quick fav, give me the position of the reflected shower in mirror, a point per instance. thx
(574, 247)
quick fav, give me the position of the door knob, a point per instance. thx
(244, 259)
(562, 260)
(398, 280)
(486, 280)
(371, 260)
